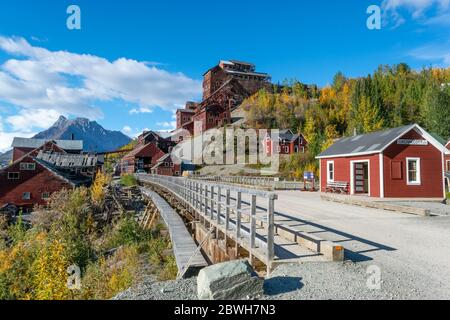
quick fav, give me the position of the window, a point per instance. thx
(45, 195)
(330, 171)
(447, 165)
(24, 166)
(26, 196)
(413, 170)
(177, 173)
(13, 175)
(286, 149)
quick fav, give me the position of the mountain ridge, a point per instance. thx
(95, 137)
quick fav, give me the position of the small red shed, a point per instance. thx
(403, 162)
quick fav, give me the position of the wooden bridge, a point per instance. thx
(240, 223)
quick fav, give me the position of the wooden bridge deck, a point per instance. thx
(242, 221)
(184, 246)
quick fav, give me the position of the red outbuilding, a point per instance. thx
(288, 143)
(404, 162)
(447, 157)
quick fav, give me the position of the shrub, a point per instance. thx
(107, 277)
(128, 181)
(126, 232)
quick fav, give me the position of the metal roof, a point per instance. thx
(36, 143)
(367, 143)
(69, 160)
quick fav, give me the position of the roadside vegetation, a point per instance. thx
(34, 260)
(128, 180)
(390, 97)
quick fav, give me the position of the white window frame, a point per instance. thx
(419, 173)
(45, 193)
(286, 149)
(447, 165)
(10, 173)
(328, 171)
(27, 166)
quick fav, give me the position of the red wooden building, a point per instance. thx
(165, 166)
(225, 87)
(288, 143)
(447, 157)
(404, 162)
(143, 157)
(32, 179)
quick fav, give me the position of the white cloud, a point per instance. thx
(437, 9)
(43, 79)
(167, 125)
(437, 54)
(140, 110)
(43, 84)
(127, 130)
(27, 120)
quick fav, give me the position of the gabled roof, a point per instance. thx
(375, 142)
(161, 160)
(75, 145)
(155, 150)
(287, 135)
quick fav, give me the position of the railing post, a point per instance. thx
(227, 211)
(205, 200)
(238, 215)
(270, 233)
(197, 195)
(253, 222)
(212, 203)
(219, 205)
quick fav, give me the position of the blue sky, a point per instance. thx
(134, 62)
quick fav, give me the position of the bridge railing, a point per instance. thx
(258, 182)
(231, 209)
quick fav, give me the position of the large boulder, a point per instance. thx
(234, 280)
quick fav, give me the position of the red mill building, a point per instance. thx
(404, 162)
(225, 86)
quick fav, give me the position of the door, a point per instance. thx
(361, 174)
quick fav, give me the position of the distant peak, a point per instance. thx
(61, 120)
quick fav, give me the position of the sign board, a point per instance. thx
(412, 142)
(308, 175)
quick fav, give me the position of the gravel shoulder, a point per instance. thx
(307, 281)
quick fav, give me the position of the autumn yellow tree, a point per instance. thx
(98, 188)
(51, 273)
